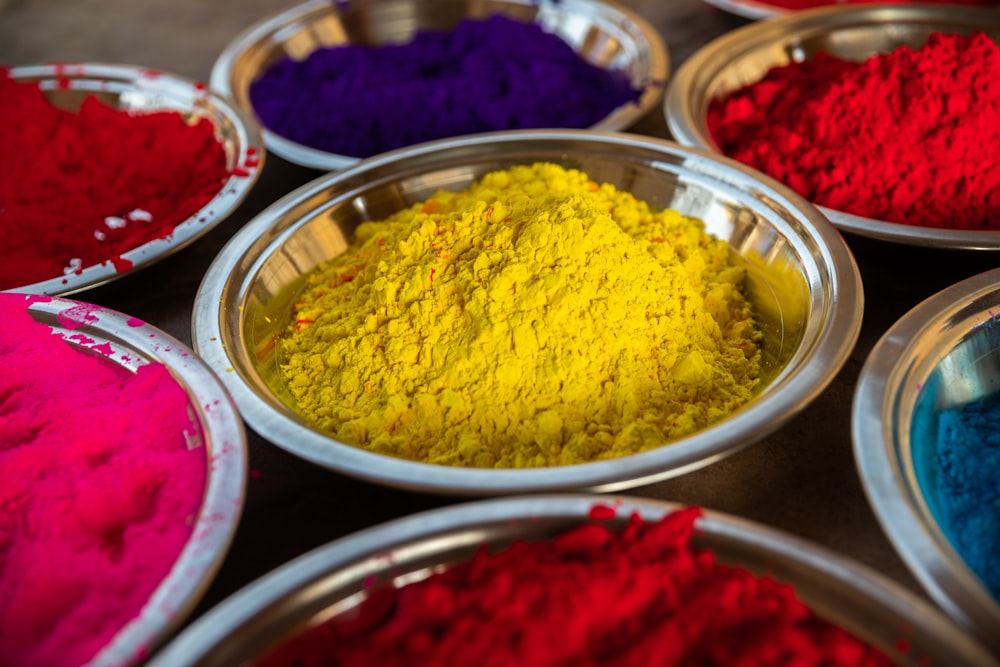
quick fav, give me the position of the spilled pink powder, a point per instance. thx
(98, 491)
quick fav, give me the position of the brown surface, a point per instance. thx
(802, 479)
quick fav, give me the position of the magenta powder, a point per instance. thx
(100, 491)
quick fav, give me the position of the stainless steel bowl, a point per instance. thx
(602, 32)
(748, 9)
(944, 353)
(332, 578)
(855, 32)
(131, 343)
(802, 281)
(143, 90)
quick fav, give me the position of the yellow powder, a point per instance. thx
(535, 319)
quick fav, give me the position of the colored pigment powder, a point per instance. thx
(911, 137)
(100, 491)
(966, 490)
(535, 319)
(592, 596)
(81, 189)
(483, 75)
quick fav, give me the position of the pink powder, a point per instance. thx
(98, 496)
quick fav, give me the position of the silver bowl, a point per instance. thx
(131, 343)
(802, 282)
(332, 579)
(602, 32)
(943, 353)
(143, 90)
(855, 32)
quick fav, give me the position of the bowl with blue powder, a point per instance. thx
(334, 82)
(926, 432)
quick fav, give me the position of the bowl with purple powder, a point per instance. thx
(124, 466)
(926, 422)
(333, 82)
(621, 581)
(844, 105)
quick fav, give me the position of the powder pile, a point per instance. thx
(592, 596)
(966, 489)
(483, 75)
(535, 319)
(911, 137)
(99, 491)
(81, 189)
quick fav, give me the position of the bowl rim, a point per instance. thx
(830, 347)
(897, 501)
(306, 156)
(370, 550)
(247, 164)
(690, 130)
(224, 442)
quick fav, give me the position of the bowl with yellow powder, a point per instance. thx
(529, 310)
(333, 82)
(621, 581)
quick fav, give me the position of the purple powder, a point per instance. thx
(484, 75)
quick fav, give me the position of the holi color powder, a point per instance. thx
(592, 596)
(483, 75)
(103, 475)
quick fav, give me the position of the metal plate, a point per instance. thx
(131, 343)
(603, 33)
(943, 353)
(142, 90)
(801, 280)
(857, 32)
(244, 627)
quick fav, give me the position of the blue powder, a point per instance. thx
(968, 485)
(484, 75)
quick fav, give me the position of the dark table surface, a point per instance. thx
(802, 479)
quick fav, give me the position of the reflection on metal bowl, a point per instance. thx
(802, 283)
(603, 33)
(944, 353)
(856, 32)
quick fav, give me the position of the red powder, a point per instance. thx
(99, 491)
(590, 597)
(80, 189)
(911, 137)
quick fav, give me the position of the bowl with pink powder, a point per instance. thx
(123, 461)
(109, 168)
(762, 9)
(884, 116)
(572, 579)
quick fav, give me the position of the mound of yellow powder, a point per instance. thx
(535, 319)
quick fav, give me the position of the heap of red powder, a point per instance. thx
(912, 136)
(643, 596)
(79, 189)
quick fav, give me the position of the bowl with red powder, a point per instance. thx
(762, 9)
(123, 460)
(558, 580)
(926, 418)
(884, 116)
(333, 82)
(521, 429)
(108, 168)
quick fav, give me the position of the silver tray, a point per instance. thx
(854, 32)
(132, 343)
(802, 281)
(332, 578)
(143, 90)
(603, 33)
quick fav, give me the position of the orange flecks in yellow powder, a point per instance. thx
(535, 319)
